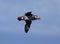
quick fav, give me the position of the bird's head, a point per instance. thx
(37, 17)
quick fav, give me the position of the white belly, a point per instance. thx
(26, 18)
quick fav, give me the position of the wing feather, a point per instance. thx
(27, 26)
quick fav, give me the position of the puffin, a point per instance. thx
(28, 18)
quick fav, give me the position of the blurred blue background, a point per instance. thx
(44, 31)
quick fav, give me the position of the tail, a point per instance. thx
(19, 18)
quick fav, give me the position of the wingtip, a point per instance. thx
(26, 31)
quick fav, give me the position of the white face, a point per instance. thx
(37, 17)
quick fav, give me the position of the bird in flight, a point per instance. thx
(28, 18)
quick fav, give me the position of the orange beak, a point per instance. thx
(37, 17)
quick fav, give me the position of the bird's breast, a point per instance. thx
(26, 18)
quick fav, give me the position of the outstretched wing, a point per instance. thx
(28, 14)
(27, 26)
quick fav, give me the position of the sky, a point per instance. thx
(43, 31)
